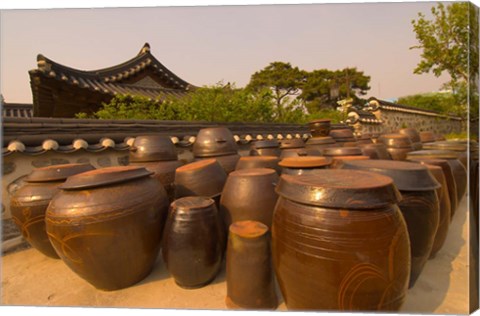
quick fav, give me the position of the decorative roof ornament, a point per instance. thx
(145, 49)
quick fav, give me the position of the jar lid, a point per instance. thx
(396, 140)
(342, 151)
(407, 176)
(252, 172)
(304, 162)
(104, 176)
(350, 189)
(58, 172)
(433, 153)
(248, 229)
(189, 203)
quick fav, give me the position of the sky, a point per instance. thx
(205, 45)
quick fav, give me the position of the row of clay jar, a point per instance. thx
(71, 243)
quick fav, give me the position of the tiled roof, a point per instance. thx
(39, 135)
(17, 110)
(390, 106)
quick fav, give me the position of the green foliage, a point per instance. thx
(283, 80)
(449, 43)
(332, 114)
(443, 102)
(324, 87)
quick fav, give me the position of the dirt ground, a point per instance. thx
(31, 279)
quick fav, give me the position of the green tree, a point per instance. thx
(323, 88)
(443, 102)
(446, 44)
(285, 83)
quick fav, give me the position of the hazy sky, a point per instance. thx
(205, 45)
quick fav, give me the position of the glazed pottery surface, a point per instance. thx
(29, 203)
(192, 243)
(265, 148)
(337, 161)
(106, 225)
(152, 148)
(320, 127)
(304, 165)
(292, 143)
(411, 133)
(339, 242)
(342, 151)
(227, 162)
(450, 179)
(249, 194)
(299, 152)
(214, 141)
(250, 162)
(341, 133)
(250, 282)
(164, 172)
(200, 178)
(320, 143)
(375, 151)
(427, 137)
(419, 204)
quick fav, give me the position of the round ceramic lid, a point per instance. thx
(252, 172)
(349, 189)
(189, 203)
(248, 229)
(292, 143)
(104, 176)
(433, 153)
(58, 172)
(265, 159)
(342, 151)
(407, 176)
(152, 148)
(305, 162)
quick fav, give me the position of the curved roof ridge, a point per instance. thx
(142, 60)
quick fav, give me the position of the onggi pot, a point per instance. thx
(29, 203)
(419, 204)
(339, 242)
(106, 225)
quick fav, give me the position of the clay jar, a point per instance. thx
(319, 128)
(304, 165)
(106, 225)
(419, 204)
(250, 162)
(459, 172)
(29, 203)
(444, 207)
(449, 178)
(375, 151)
(337, 161)
(250, 283)
(414, 137)
(249, 194)
(398, 145)
(200, 178)
(265, 148)
(157, 154)
(342, 151)
(427, 137)
(456, 146)
(218, 143)
(343, 137)
(192, 243)
(339, 242)
(320, 143)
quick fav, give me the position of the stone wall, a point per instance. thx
(393, 120)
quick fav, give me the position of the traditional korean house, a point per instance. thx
(61, 91)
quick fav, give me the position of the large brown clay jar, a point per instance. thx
(339, 242)
(156, 153)
(375, 151)
(444, 207)
(458, 170)
(419, 204)
(192, 243)
(265, 148)
(449, 178)
(29, 203)
(398, 145)
(320, 143)
(106, 225)
(319, 127)
(250, 282)
(459, 147)
(413, 135)
(249, 194)
(214, 141)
